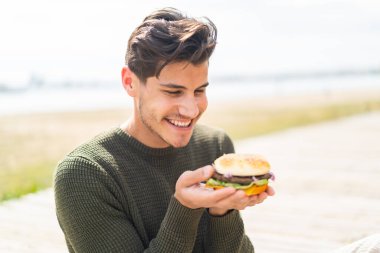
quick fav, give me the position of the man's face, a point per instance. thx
(167, 108)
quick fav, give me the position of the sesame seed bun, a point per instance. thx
(242, 165)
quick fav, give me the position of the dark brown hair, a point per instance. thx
(168, 36)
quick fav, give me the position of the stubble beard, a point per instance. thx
(151, 128)
(147, 125)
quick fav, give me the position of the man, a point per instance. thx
(136, 188)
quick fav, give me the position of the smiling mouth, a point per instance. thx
(182, 124)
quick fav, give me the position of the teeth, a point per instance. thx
(180, 123)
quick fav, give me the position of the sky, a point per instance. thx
(82, 40)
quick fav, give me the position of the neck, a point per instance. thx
(132, 129)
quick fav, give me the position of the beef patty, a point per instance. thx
(245, 180)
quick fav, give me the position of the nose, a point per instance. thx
(188, 107)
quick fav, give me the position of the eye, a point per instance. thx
(173, 92)
(200, 91)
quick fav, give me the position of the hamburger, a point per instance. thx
(247, 172)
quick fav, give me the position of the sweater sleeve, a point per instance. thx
(226, 234)
(178, 229)
(93, 220)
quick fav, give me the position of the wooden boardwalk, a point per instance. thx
(328, 186)
(328, 193)
(29, 225)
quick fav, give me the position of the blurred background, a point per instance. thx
(75, 49)
(279, 64)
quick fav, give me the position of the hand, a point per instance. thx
(191, 194)
(244, 201)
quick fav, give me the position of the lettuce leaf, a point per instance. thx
(215, 182)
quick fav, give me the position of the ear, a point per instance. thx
(129, 81)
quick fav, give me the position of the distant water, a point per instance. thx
(254, 38)
(113, 96)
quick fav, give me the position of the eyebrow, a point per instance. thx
(178, 86)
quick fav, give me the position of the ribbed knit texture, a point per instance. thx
(114, 194)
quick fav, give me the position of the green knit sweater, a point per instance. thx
(114, 194)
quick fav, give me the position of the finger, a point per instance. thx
(257, 199)
(196, 196)
(189, 178)
(253, 200)
(262, 196)
(270, 191)
(238, 200)
(244, 203)
(217, 196)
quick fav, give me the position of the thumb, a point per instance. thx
(190, 178)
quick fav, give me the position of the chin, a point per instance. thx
(177, 138)
(180, 143)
